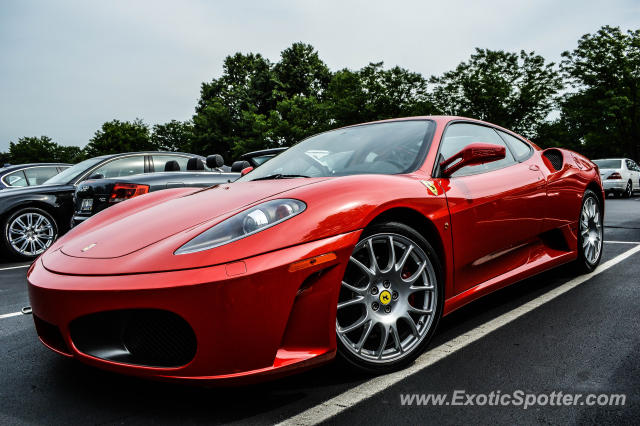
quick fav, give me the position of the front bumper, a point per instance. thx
(252, 318)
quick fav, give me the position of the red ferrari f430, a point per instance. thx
(354, 242)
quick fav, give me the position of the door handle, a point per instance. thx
(534, 168)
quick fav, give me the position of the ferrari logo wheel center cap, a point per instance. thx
(385, 297)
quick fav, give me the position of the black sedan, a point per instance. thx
(21, 175)
(94, 196)
(31, 218)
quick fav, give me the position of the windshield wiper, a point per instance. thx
(279, 176)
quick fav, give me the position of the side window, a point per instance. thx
(39, 175)
(520, 148)
(459, 135)
(159, 161)
(16, 179)
(630, 165)
(123, 167)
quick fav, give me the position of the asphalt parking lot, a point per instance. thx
(551, 333)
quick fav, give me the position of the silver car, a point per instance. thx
(620, 176)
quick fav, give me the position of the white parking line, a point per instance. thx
(15, 267)
(344, 401)
(12, 314)
(623, 242)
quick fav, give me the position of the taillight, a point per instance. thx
(615, 175)
(124, 191)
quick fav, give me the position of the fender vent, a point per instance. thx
(555, 158)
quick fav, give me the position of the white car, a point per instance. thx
(620, 176)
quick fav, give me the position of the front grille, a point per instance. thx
(50, 335)
(555, 158)
(149, 337)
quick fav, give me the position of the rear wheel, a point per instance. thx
(590, 233)
(628, 191)
(28, 232)
(391, 299)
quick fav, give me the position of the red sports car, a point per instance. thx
(353, 242)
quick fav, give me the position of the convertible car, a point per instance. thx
(354, 242)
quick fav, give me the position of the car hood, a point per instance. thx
(128, 230)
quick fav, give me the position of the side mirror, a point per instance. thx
(214, 161)
(246, 170)
(472, 155)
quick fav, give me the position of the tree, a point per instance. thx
(232, 107)
(301, 72)
(33, 150)
(70, 154)
(513, 90)
(374, 93)
(603, 112)
(120, 136)
(173, 136)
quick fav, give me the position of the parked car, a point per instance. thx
(93, 196)
(21, 175)
(32, 218)
(620, 176)
(353, 242)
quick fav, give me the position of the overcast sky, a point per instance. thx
(68, 66)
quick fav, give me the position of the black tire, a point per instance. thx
(628, 190)
(381, 368)
(582, 264)
(9, 248)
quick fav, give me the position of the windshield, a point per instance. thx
(382, 148)
(608, 164)
(73, 172)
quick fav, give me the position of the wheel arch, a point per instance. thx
(420, 223)
(599, 193)
(30, 203)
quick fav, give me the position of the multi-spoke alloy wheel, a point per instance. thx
(591, 230)
(30, 232)
(590, 235)
(389, 300)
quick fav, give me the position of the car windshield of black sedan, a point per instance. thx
(382, 148)
(73, 172)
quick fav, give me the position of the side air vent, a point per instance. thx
(555, 158)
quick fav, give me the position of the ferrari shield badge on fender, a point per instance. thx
(430, 186)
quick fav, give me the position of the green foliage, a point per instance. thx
(603, 112)
(512, 90)
(41, 149)
(173, 136)
(120, 136)
(256, 104)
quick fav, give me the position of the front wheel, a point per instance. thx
(391, 299)
(590, 233)
(29, 232)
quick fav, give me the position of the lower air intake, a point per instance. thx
(148, 337)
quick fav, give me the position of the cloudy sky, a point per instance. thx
(68, 66)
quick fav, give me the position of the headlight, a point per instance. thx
(243, 224)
